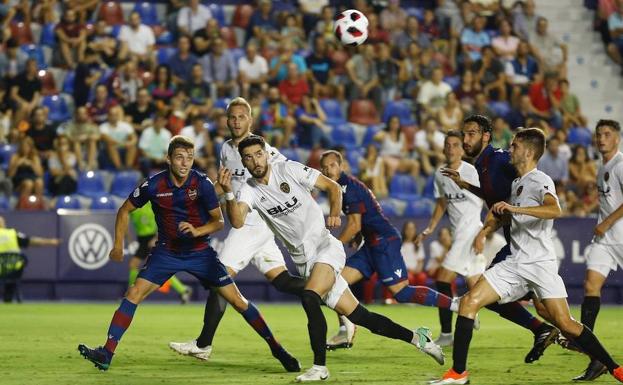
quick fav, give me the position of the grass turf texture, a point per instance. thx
(38, 345)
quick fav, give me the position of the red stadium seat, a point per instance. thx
(364, 112)
(22, 33)
(48, 84)
(242, 15)
(229, 36)
(111, 13)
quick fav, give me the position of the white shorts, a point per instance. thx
(603, 258)
(461, 257)
(512, 281)
(251, 244)
(331, 252)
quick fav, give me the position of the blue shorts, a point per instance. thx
(204, 265)
(501, 255)
(385, 259)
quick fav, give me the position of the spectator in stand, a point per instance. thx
(119, 140)
(570, 107)
(428, 143)
(588, 201)
(88, 73)
(411, 34)
(62, 165)
(413, 255)
(219, 71)
(162, 88)
(582, 169)
(375, 33)
(279, 64)
(473, 38)
(615, 29)
(363, 75)
(153, 145)
(390, 71)
(372, 172)
(291, 31)
(545, 98)
(293, 87)
(182, 62)
(501, 135)
(263, 26)
(489, 72)
(13, 60)
(140, 113)
(451, 115)
(42, 133)
(481, 106)
(72, 38)
(137, 41)
(274, 121)
(522, 114)
(101, 104)
(430, 26)
(102, 42)
(25, 92)
(220, 133)
(411, 76)
(521, 71)
(83, 136)
(25, 170)
(550, 52)
(506, 44)
(320, 71)
(438, 250)
(466, 93)
(312, 10)
(125, 82)
(525, 19)
(394, 18)
(312, 128)
(553, 164)
(324, 26)
(252, 72)
(202, 39)
(192, 17)
(432, 94)
(198, 91)
(394, 150)
(204, 148)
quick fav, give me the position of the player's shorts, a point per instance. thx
(330, 252)
(603, 258)
(143, 246)
(204, 265)
(251, 244)
(461, 257)
(512, 281)
(385, 259)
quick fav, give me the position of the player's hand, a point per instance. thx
(421, 236)
(454, 175)
(502, 208)
(479, 243)
(224, 179)
(601, 229)
(188, 229)
(334, 222)
(116, 254)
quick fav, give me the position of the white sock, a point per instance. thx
(454, 305)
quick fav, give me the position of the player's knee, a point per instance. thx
(591, 288)
(470, 302)
(135, 295)
(567, 325)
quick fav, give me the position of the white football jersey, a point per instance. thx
(610, 186)
(231, 159)
(288, 208)
(531, 237)
(464, 207)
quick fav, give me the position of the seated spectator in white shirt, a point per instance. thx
(119, 140)
(192, 17)
(137, 40)
(153, 145)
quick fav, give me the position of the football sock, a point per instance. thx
(462, 338)
(255, 319)
(290, 284)
(316, 325)
(120, 322)
(590, 310)
(424, 296)
(214, 310)
(132, 276)
(379, 324)
(514, 312)
(445, 315)
(591, 345)
(177, 285)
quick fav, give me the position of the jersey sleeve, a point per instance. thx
(141, 195)
(274, 155)
(471, 176)
(352, 202)
(246, 195)
(546, 186)
(437, 193)
(306, 176)
(209, 200)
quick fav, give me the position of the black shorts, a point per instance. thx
(143, 246)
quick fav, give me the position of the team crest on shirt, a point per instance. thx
(606, 176)
(519, 190)
(285, 187)
(136, 193)
(192, 194)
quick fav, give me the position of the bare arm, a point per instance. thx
(39, 241)
(605, 225)
(121, 228)
(215, 224)
(335, 199)
(550, 209)
(440, 209)
(454, 175)
(353, 226)
(236, 212)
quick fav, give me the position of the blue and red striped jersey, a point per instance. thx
(358, 199)
(171, 205)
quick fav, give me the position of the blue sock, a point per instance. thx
(120, 322)
(424, 296)
(254, 318)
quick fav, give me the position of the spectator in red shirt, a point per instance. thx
(375, 33)
(545, 98)
(294, 86)
(101, 104)
(72, 38)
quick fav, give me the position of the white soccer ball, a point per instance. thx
(351, 27)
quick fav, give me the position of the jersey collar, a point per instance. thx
(183, 186)
(343, 178)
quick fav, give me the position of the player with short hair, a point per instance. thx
(532, 266)
(187, 211)
(464, 209)
(254, 243)
(380, 251)
(280, 192)
(606, 249)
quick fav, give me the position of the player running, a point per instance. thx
(187, 212)
(606, 249)
(380, 251)
(254, 243)
(464, 210)
(532, 264)
(281, 194)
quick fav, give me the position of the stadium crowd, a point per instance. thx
(91, 95)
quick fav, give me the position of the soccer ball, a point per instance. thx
(351, 27)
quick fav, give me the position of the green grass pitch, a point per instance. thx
(38, 347)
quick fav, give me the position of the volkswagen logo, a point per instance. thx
(89, 245)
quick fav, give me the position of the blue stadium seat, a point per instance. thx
(165, 38)
(103, 202)
(5, 204)
(148, 12)
(91, 184)
(68, 82)
(58, 108)
(35, 52)
(389, 208)
(165, 53)
(222, 103)
(501, 109)
(368, 137)
(453, 81)
(417, 12)
(6, 152)
(48, 37)
(429, 188)
(217, 13)
(580, 135)
(404, 187)
(419, 208)
(344, 134)
(68, 202)
(402, 109)
(124, 182)
(354, 156)
(290, 154)
(236, 54)
(333, 110)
